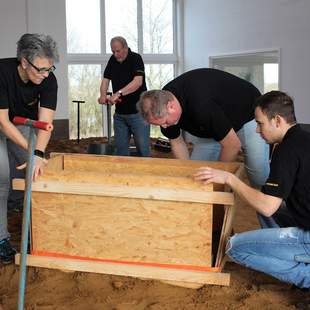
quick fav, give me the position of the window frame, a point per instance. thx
(260, 57)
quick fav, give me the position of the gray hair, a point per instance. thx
(120, 40)
(153, 103)
(32, 45)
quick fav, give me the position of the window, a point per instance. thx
(157, 75)
(84, 82)
(82, 36)
(149, 27)
(121, 19)
(259, 68)
(157, 26)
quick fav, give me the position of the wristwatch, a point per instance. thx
(39, 153)
(120, 94)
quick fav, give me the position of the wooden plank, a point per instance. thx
(227, 226)
(122, 229)
(55, 163)
(156, 166)
(126, 179)
(157, 273)
(140, 192)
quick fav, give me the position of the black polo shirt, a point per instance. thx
(121, 74)
(213, 102)
(23, 99)
(289, 174)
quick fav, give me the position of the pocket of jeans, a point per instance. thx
(303, 258)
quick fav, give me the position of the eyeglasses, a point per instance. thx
(42, 70)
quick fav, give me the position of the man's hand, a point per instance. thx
(115, 98)
(38, 167)
(209, 175)
(102, 100)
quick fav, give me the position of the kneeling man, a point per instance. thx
(283, 249)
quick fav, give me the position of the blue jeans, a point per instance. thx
(283, 253)
(126, 125)
(255, 149)
(17, 155)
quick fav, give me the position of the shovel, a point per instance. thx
(27, 200)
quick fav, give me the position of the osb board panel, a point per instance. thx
(123, 229)
(155, 166)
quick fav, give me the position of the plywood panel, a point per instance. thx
(156, 166)
(135, 230)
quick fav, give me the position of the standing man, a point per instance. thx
(126, 71)
(218, 109)
(28, 88)
(282, 251)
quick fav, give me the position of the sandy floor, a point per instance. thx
(50, 289)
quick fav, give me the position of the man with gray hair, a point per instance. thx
(216, 110)
(125, 69)
(28, 88)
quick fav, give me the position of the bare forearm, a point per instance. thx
(42, 140)
(263, 204)
(10, 130)
(179, 148)
(45, 115)
(104, 87)
(229, 154)
(132, 86)
(231, 146)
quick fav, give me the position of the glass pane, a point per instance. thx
(261, 68)
(84, 84)
(83, 19)
(157, 76)
(157, 27)
(121, 20)
(271, 77)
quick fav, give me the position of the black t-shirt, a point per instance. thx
(23, 99)
(289, 174)
(121, 74)
(213, 102)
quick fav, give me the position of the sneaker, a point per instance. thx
(7, 252)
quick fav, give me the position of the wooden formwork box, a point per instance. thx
(129, 216)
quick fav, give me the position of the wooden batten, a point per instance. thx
(139, 192)
(188, 278)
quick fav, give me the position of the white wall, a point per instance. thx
(37, 16)
(49, 16)
(12, 25)
(215, 27)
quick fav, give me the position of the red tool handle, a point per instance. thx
(17, 120)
